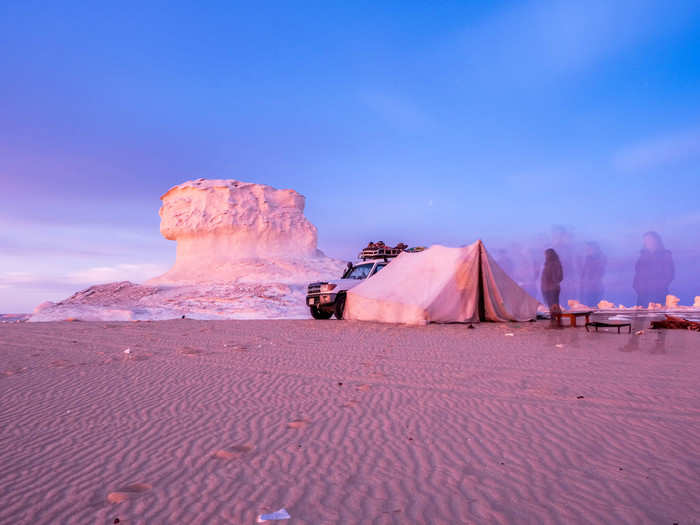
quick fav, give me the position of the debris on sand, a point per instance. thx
(281, 514)
(674, 322)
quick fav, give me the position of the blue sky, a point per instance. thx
(398, 121)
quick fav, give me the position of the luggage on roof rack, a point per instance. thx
(379, 253)
(379, 250)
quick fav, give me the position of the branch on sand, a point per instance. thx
(672, 321)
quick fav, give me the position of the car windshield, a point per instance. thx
(361, 271)
(379, 267)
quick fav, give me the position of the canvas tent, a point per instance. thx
(441, 285)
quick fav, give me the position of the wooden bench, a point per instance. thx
(572, 317)
(600, 324)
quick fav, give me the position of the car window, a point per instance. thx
(361, 271)
(379, 267)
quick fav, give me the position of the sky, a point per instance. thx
(422, 122)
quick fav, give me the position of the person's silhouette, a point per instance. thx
(552, 275)
(653, 272)
(592, 275)
(505, 262)
(563, 243)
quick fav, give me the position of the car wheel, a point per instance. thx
(340, 305)
(319, 314)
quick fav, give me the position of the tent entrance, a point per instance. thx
(480, 288)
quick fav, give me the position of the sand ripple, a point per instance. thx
(341, 422)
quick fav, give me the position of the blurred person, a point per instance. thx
(654, 271)
(552, 276)
(592, 273)
(562, 241)
(505, 262)
(526, 269)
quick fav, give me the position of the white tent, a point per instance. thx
(441, 285)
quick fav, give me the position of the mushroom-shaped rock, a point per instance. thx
(228, 230)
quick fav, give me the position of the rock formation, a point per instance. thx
(244, 251)
(232, 231)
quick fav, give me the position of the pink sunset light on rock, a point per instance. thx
(227, 230)
(244, 251)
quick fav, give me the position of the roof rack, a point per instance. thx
(383, 252)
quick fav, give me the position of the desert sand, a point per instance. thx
(346, 422)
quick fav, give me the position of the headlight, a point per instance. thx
(325, 288)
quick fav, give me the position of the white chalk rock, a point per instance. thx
(232, 231)
(234, 220)
(672, 301)
(244, 251)
(575, 305)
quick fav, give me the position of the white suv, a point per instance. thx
(327, 298)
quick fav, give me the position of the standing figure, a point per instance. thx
(505, 262)
(526, 270)
(653, 272)
(552, 275)
(592, 275)
(562, 240)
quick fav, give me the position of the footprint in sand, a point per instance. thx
(232, 452)
(140, 357)
(8, 373)
(363, 388)
(236, 347)
(61, 363)
(188, 351)
(298, 423)
(130, 491)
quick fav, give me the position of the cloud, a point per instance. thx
(660, 152)
(23, 248)
(8, 279)
(25, 282)
(88, 276)
(119, 272)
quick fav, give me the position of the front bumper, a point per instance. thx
(325, 299)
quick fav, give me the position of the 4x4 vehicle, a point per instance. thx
(327, 298)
